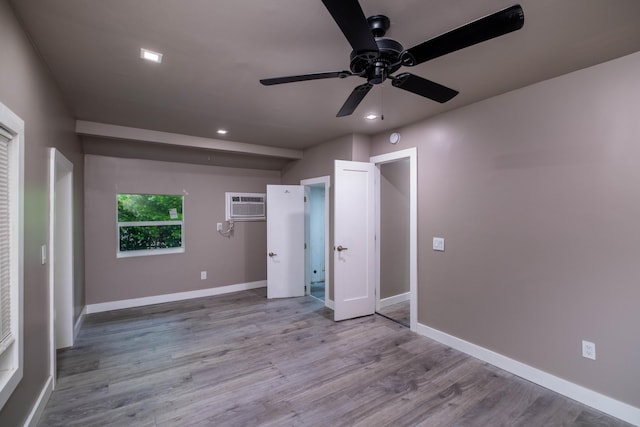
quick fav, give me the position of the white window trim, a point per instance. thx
(147, 252)
(12, 360)
(148, 223)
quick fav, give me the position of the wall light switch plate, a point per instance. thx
(203, 275)
(588, 350)
(219, 226)
(43, 254)
(438, 244)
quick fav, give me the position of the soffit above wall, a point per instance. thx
(153, 151)
(121, 141)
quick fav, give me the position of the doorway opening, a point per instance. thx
(316, 241)
(396, 245)
(61, 328)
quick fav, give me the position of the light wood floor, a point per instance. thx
(400, 312)
(242, 360)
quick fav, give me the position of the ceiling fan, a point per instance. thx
(376, 57)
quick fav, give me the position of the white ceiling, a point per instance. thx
(215, 52)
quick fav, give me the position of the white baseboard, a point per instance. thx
(38, 407)
(179, 296)
(386, 302)
(603, 403)
(329, 303)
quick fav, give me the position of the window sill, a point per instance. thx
(9, 378)
(133, 254)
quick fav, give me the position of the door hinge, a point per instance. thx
(305, 246)
(305, 199)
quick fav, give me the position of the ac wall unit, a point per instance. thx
(246, 206)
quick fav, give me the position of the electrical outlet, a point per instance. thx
(219, 226)
(203, 275)
(588, 350)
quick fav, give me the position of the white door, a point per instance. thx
(354, 239)
(285, 241)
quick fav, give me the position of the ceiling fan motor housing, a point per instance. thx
(376, 66)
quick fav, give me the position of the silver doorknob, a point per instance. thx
(340, 248)
(271, 254)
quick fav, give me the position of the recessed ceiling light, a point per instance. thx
(150, 55)
(371, 117)
(222, 131)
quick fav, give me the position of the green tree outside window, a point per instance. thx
(149, 222)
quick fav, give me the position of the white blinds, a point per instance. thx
(5, 136)
(5, 245)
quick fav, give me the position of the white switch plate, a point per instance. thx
(219, 226)
(43, 254)
(203, 275)
(438, 244)
(588, 350)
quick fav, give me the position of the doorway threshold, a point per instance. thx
(399, 322)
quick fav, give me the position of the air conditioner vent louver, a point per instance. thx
(249, 199)
(245, 206)
(247, 209)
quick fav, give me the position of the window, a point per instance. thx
(11, 251)
(149, 224)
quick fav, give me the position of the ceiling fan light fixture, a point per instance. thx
(150, 55)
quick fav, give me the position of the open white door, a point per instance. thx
(285, 241)
(354, 239)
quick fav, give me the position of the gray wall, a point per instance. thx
(228, 261)
(361, 150)
(394, 228)
(318, 160)
(28, 90)
(536, 194)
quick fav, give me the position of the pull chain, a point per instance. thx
(381, 96)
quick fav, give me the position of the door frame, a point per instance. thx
(60, 204)
(412, 155)
(326, 180)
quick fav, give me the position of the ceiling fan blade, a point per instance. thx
(350, 18)
(305, 77)
(357, 95)
(423, 87)
(491, 26)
